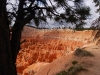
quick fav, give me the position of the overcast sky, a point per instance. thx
(94, 15)
(93, 8)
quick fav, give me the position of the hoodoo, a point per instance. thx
(42, 47)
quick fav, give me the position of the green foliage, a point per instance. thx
(71, 19)
(81, 52)
(73, 70)
(97, 3)
(57, 19)
(39, 11)
(83, 11)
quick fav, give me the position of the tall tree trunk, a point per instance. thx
(15, 41)
(16, 31)
(7, 66)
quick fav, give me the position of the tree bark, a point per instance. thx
(9, 49)
(7, 66)
(16, 31)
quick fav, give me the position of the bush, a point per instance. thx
(81, 52)
(73, 70)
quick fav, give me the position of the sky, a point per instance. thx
(93, 8)
(93, 13)
(93, 16)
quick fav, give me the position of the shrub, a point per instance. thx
(73, 70)
(81, 52)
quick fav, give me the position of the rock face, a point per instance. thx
(46, 46)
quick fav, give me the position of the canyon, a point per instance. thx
(41, 47)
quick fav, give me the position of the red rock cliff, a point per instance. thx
(48, 45)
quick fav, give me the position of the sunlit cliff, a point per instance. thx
(47, 45)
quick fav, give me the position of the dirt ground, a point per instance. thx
(91, 64)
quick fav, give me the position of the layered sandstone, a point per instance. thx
(48, 45)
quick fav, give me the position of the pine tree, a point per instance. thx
(24, 11)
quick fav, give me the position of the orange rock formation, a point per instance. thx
(48, 45)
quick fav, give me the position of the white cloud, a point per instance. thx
(94, 15)
(89, 3)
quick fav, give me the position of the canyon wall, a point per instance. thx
(46, 45)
